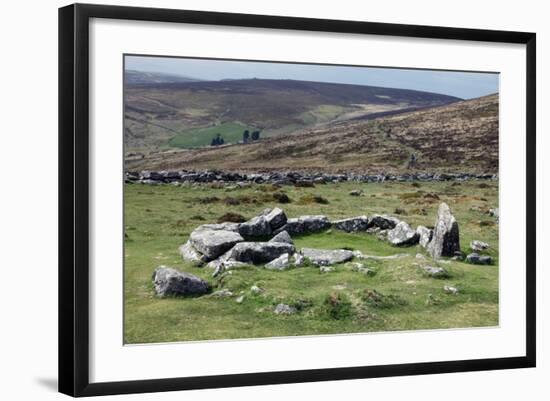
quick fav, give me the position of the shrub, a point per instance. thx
(337, 306)
(304, 184)
(308, 199)
(281, 197)
(231, 201)
(208, 199)
(232, 218)
(377, 300)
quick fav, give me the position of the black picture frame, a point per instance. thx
(74, 199)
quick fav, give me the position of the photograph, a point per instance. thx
(269, 199)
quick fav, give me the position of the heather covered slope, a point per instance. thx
(458, 137)
(160, 115)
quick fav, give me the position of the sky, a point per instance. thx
(465, 85)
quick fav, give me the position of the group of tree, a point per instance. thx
(247, 136)
(217, 140)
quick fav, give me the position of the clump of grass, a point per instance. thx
(483, 185)
(411, 195)
(281, 197)
(337, 306)
(399, 210)
(310, 199)
(378, 300)
(304, 184)
(416, 184)
(269, 188)
(197, 217)
(419, 211)
(230, 201)
(232, 218)
(486, 223)
(208, 199)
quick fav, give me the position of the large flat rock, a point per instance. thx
(403, 235)
(259, 252)
(305, 224)
(168, 281)
(326, 257)
(213, 243)
(352, 224)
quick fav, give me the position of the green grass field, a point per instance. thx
(196, 137)
(159, 218)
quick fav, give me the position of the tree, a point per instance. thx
(255, 135)
(217, 140)
(246, 136)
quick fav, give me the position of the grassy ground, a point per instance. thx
(192, 138)
(397, 297)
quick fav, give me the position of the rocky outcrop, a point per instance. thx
(305, 225)
(284, 309)
(256, 227)
(170, 282)
(326, 257)
(435, 272)
(478, 246)
(190, 254)
(383, 222)
(281, 263)
(403, 235)
(352, 224)
(477, 259)
(424, 235)
(259, 252)
(445, 240)
(284, 237)
(276, 218)
(213, 243)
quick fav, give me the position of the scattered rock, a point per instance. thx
(420, 256)
(361, 268)
(450, 290)
(356, 192)
(494, 213)
(226, 226)
(298, 259)
(351, 225)
(225, 293)
(445, 240)
(276, 217)
(281, 263)
(403, 235)
(435, 272)
(324, 257)
(255, 227)
(168, 281)
(478, 246)
(284, 309)
(305, 224)
(283, 237)
(259, 252)
(424, 235)
(326, 269)
(382, 221)
(239, 299)
(190, 254)
(477, 259)
(256, 290)
(213, 243)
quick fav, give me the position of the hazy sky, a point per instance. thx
(465, 85)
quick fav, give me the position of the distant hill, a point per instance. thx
(186, 114)
(460, 137)
(133, 77)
